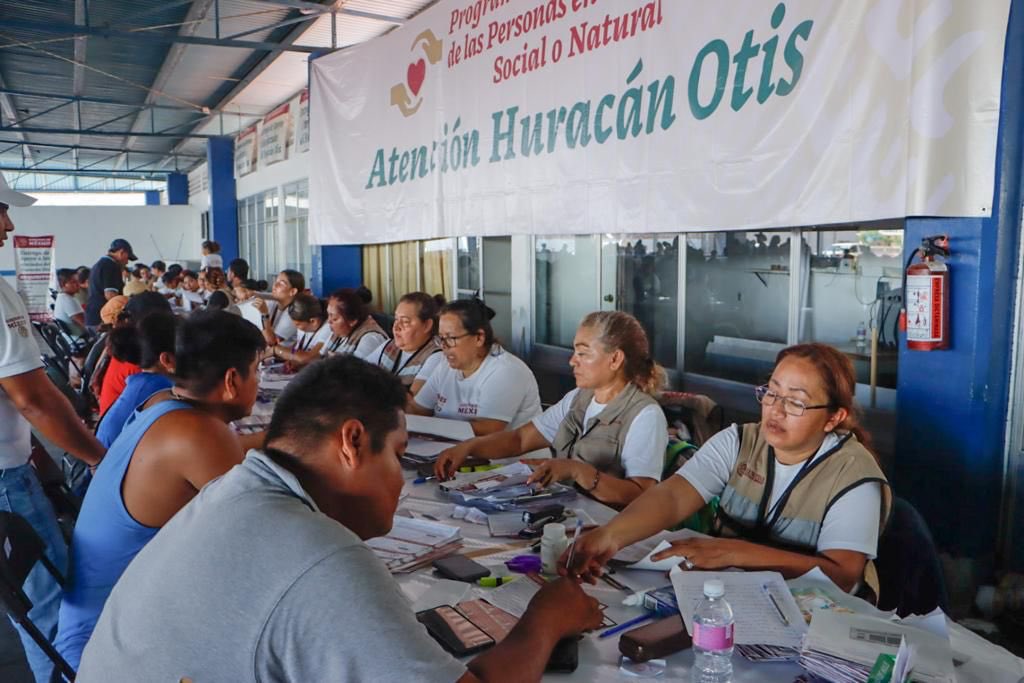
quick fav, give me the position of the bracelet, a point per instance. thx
(597, 478)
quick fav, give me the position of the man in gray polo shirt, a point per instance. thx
(265, 576)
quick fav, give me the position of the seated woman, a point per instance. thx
(354, 330)
(278, 327)
(313, 332)
(609, 434)
(482, 383)
(119, 369)
(799, 490)
(150, 345)
(247, 298)
(414, 353)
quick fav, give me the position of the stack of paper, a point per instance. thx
(415, 543)
(843, 647)
(428, 436)
(769, 625)
(638, 555)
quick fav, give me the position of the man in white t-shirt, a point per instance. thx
(66, 307)
(28, 399)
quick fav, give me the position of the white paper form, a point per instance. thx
(638, 555)
(757, 620)
(456, 430)
(426, 448)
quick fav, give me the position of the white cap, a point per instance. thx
(554, 530)
(12, 198)
(713, 588)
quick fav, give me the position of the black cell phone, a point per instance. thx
(565, 657)
(460, 568)
(454, 631)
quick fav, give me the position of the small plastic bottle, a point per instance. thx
(712, 636)
(552, 544)
(862, 336)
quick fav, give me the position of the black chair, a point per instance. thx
(909, 570)
(20, 549)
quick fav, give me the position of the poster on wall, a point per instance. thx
(245, 152)
(482, 117)
(302, 123)
(274, 136)
(34, 272)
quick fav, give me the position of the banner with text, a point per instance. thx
(34, 272)
(245, 152)
(302, 123)
(495, 117)
(274, 135)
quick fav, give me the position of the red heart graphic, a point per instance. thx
(415, 74)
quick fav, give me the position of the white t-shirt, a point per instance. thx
(281, 322)
(421, 372)
(851, 523)
(190, 301)
(66, 307)
(307, 341)
(18, 354)
(247, 309)
(502, 388)
(364, 350)
(643, 450)
(211, 261)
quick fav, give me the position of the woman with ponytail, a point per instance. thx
(609, 434)
(800, 489)
(481, 383)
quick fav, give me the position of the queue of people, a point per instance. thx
(258, 540)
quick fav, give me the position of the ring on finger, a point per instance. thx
(688, 563)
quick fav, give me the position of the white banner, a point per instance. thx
(33, 264)
(493, 117)
(274, 135)
(245, 152)
(302, 123)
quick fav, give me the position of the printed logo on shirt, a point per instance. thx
(468, 409)
(20, 322)
(744, 471)
(441, 400)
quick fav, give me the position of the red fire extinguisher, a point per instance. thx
(925, 315)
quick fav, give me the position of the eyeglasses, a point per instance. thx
(450, 342)
(792, 406)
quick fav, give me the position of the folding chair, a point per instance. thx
(20, 549)
(909, 570)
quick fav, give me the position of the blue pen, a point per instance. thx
(626, 625)
(423, 480)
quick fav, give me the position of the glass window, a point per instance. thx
(297, 253)
(849, 287)
(566, 283)
(737, 303)
(644, 277)
(468, 282)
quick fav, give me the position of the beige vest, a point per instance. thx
(795, 522)
(391, 359)
(601, 443)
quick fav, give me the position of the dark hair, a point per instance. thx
(145, 303)
(123, 343)
(159, 265)
(155, 336)
(837, 374)
(169, 277)
(208, 344)
(254, 285)
(65, 275)
(82, 272)
(329, 392)
(239, 267)
(617, 330)
(427, 307)
(189, 273)
(211, 246)
(364, 293)
(139, 267)
(175, 268)
(350, 305)
(218, 301)
(475, 316)
(305, 307)
(296, 279)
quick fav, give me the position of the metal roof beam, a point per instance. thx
(139, 175)
(317, 8)
(150, 36)
(115, 133)
(10, 112)
(87, 148)
(270, 27)
(97, 100)
(78, 79)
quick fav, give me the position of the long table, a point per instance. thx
(598, 657)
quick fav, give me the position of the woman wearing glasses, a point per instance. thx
(798, 490)
(482, 383)
(414, 354)
(609, 434)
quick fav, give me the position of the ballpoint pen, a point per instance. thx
(424, 480)
(626, 625)
(775, 604)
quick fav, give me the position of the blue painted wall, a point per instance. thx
(952, 405)
(177, 188)
(336, 266)
(220, 160)
(152, 197)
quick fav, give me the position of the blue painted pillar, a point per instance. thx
(952, 404)
(336, 266)
(152, 197)
(220, 160)
(177, 188)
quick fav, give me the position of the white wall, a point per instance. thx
(83, 233)
(265, 178)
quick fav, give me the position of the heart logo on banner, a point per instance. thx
(415, 74)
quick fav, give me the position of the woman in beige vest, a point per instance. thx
(354, 329)
(609, 434)
(798, 490)
(414, 353)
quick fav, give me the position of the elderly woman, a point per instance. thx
(414, 354)
(609, 434)
(800, 489)
(353, 330)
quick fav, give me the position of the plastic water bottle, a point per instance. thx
(552, 544)
(712, 636)
(862, 336)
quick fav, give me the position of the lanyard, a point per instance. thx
(395, 369)
(304, 344)
(767, 518)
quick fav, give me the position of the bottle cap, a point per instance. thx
(714, 588)
(554, 531)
